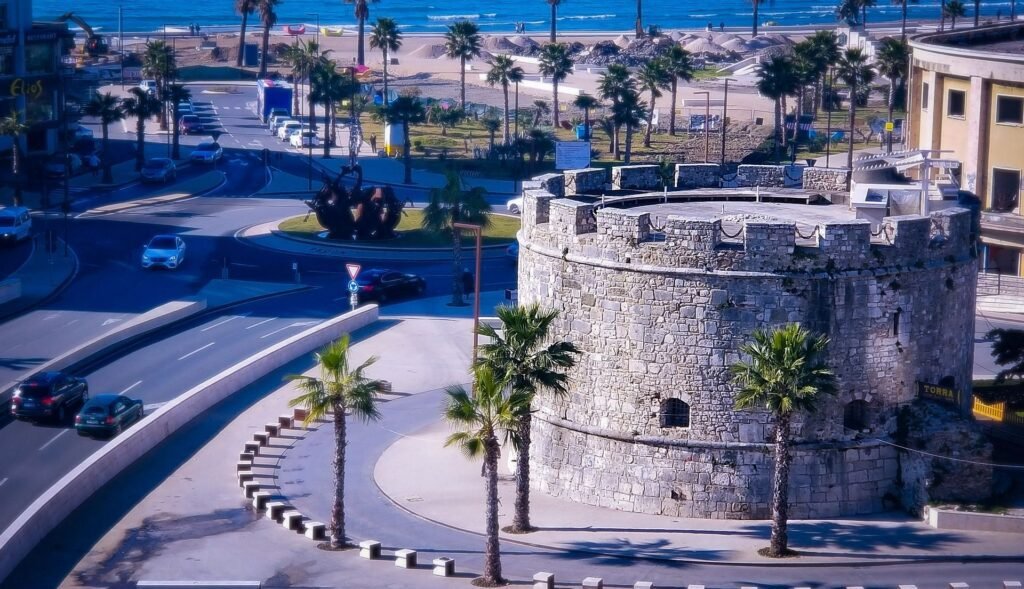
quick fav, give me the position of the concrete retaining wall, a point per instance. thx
(944, 519)
(10, 289)
(74, 488)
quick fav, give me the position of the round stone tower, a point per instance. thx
(660, 297)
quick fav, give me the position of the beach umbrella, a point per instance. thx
(675, 35)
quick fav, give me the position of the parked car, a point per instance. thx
(190, 124)
(148, 86)
(108, 414)
(304, 138)
(15, 224)
(276, 112)
(276, 122)
(49, 395)
(381, 285)
(57, 167)
(167, 251)
(207, 152)
(515, 206)
(159, 169)
(185, 108)
(287, 128)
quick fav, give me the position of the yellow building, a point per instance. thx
(967, 99)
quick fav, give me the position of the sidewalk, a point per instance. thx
(42, 276)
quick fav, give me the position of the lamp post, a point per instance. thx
(828, 124)
(478, 231)
(725, 117)
(707, 121)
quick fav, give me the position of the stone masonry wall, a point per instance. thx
(826, 179)
(758, 175)
(697, 175)
(585, 181)
(644, 177)
(553, 183)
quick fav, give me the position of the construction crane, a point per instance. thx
(94, 44)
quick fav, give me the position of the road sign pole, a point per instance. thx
(353, 300)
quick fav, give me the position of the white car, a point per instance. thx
(515, 206)
(276, 121)
(304, 138)
(167, 251)
(287, 129)
(207, 152)
(148, 86)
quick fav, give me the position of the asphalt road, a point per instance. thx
(13, 255)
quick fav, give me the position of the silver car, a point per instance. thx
(166, 251)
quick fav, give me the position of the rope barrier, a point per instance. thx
(656, 228)
(801, 235)
(726, 233)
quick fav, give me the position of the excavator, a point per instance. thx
(94, 44)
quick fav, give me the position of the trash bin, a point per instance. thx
(581, 132)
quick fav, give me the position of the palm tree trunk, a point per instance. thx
(266, 49)
(798, 113)
(462, 81)
(892, 107)
(853, 121)
(554, 104)
(615, 138)
(672, 110)
(140, 142)
(360, 55)
(521, 519)
(108, 177)
(778, 128)
(554, 14)
(406, 151)
(504, 130)
(161, 117)
(629, 143)
(385, 97)
(586, 123)
(785, 137)
(977, 6)
(328, 122)
(241, 39)
(338, 510)
(756, 3)
(903, 21)
(864, 15)
(780, 491)
(492, 548)
(650, 123)
(639, 19)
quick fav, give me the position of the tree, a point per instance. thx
(491, 125)
(244, 8)
(406, 111)
(541, 108)
(445, 116)
(107, 109)
(586, 103)
(679, 65)
(825, 55)
(452, 204)
(893, 61)
(386, 37)
(554, 17)
(362, 13)
(653, 77)
(804, 69)
(757, 5)
(158, 63)
(977, 11)
(776, 78)
(176, 94)
(482, 417)
(140, 104)
(463, 42)
(1008, 349)
(11, 126)
(611, 86)
(541, 143)
(338, 391)
(903, 16)
(639, 19)
(864, 5)
(849, 11)
(268, 16)
(520, 355)
(953, 10)
(329, 87)
(304, 57)
(855, 71)
(629, 112)
(505, 72)
(555, 64)
(785, 372)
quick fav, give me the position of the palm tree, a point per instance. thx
(176, 94)
(244, 8)
(483, 417)
(140, 104)
(554, 17)
(804, 69)
(629, 112)
(107, 109)
(362, 13)
(407, 111)
(454, 204)
(612, 84)
(304, 57)
(11, 126)
(386, 37)
(855, 71)
(504, 71)
(849, 11)
(463, 42)
(555, 64)
(541, 109)
(785, 372)
(653, 77)
(338, 391)
(329, 87)
(825, 55)
(586, 103)
(679, 65)
(639, 19)
(903, 16)
(757, 5)
(977, 11)
(776, 79)
(491, 125)
(953, 10)
(864, 5)
(158, 63)
(268, 16)
(517, 352)
(893, 61)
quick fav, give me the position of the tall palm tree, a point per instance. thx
(653, 77)
(11, 126)
(679, 65)
(521, 353)
(140, 104)
(857, 73)
(329, 88)
(158, 63)
(629, 113)
(953, 10)
(338, 390)
(825, 55)
(785, 372)
(903, 15)
(491, 125)
(244, 8)
(407, 111)
(362, 13)
(849, 12)
(541, 109)
(586, 103)
(805, 70)
(864, 5)
(107, 109)
(554, 4)
(757, 6)
(893, 61)
(611, 86)
(454, 204)
(304, 57)
(639, 19)
(463, 42)
(268, 16)
(176, 94)
(483, 418)
(977, 11)
(505, 72)
(776, 78)
(386, 37)
(555, 64)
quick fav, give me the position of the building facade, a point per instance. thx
(967, 99)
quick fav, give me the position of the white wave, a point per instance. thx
(587, 17)
(489, 14)
(702, 15)
(454, 17)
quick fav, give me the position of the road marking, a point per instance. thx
(196, 351)
(232, 318)
(4, 481)
(109, 321)
(131, 387)
(53, 316)
(72, 322)
(261, 323)
(296, 324)
(53, 439)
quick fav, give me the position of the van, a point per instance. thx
(148, 86)
(15, 224)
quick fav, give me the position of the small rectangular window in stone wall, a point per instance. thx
(674, 413)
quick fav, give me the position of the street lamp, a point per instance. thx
(317, 15)
(725, 117)
(707, 121)
(828, 128)
(477, 230)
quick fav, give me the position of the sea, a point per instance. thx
(415, 16)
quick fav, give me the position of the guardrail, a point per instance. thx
(47, 511)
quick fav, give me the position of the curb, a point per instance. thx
(370, 248)
(57, 290)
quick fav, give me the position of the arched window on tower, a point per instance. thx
(674, 413)
(855, 415)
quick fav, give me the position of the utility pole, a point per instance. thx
(725, 118)
(707, 122)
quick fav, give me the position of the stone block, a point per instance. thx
(272, 429)
(405, 558)
(260, 500)
(276, 509)
(959, 586)
(544, 581)
(245, 457)
(291, 520)
(261, 438)
(585, 181)
(641, 177)
(244, 465)
(826, 179)
(553, 183)
(245, 477)
(697, 176)
(444, 566)
(369, 549)
(253, 448)
(315, 531)
(593, 583)
(286, 421)
(1011, 584)
(299, 414)
(906, 587)
(643, 585)
(695, 587)
(249, 488)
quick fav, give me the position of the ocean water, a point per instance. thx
(426, 17)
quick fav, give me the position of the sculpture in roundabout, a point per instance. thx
(356, 213)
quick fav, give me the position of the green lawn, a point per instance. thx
(501, 231)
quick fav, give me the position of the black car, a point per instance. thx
(49, 395)
(382, 285)
(108, 414)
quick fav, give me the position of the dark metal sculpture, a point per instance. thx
(356, 213)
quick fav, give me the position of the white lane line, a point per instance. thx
(72, 322)
(261, 322)
(131, 387)
(232, 318)
(296, 324)
(53, 439)
(196, 351)
(3, 481)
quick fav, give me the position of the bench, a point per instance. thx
(544, 581)
(315, 531)
(260, 499)
(253, 448)
(291, 520)
(275, 509)
(369, 549)
(249, 488)
(405, 558)
(444, 566)
(286, 422)
(593, 583)
(261, 438)
(272, 429)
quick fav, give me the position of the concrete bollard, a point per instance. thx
(1011, 584)
(245, 455)
(643, 585)
(593, 583)
(369, 549)
(261, 438)
(444, 566)
(405, 558)
(253, 448)
(243, 466)
(245, 477)
(544, 581)
(299, 414)
(291, 520)
(695, 587)
(250, 488)
(260, 499)
(315, 531)
(286, 422)
(272, 429)
(275, 509)
(960, 585)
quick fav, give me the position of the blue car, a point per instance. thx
(108, 415)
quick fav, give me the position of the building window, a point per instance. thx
(957, 104)
(40, 58)
(1010, 110)
(674, 413)
(1005, 190)
(926, 93)
(3, 17)
(855, 415)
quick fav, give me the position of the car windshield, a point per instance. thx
(155, 164)
(207, 147)
(94, 409)
(32, 390)
(162, 243)
(6, 221)
(368, 277)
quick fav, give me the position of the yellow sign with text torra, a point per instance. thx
(938, 393)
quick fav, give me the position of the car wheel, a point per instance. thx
(513, 209)
(117, 430)
(382, 298)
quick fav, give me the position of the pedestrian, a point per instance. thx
(94, 164)
(373, 143)
(721, 26)
(192, 28)
(999, 15)
(710, 27)
(197, 28)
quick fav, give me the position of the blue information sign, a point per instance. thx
(352, 286)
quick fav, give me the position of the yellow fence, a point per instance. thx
(995, 411)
